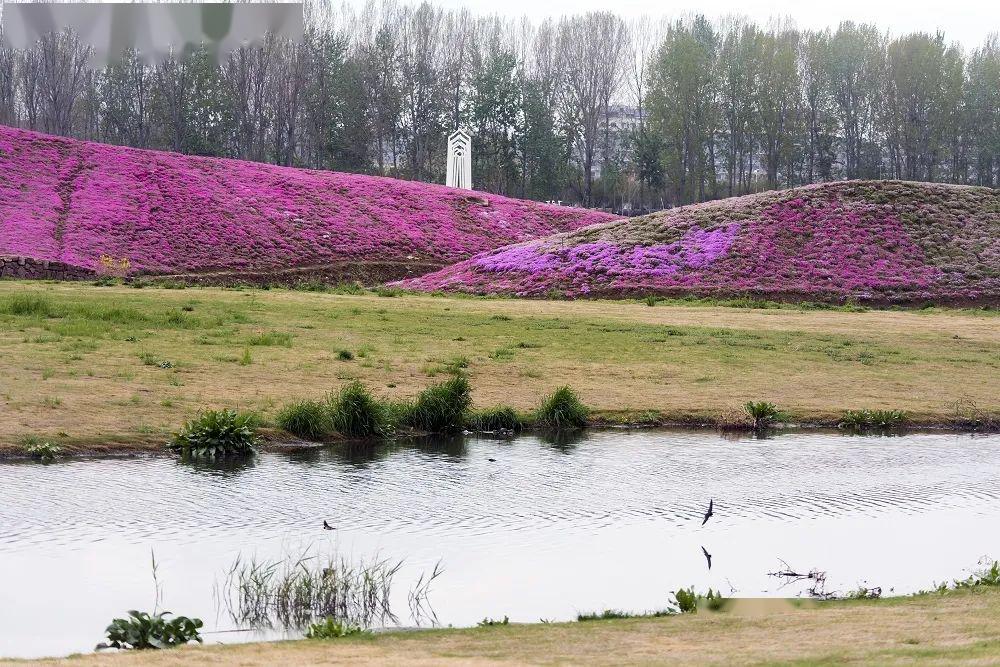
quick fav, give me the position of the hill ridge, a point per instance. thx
(70, 201)
(870, 241)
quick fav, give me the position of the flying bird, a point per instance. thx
(708, 514)
(327, 526)
(708, 557)
(492, 460)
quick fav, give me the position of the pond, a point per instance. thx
(546, 530)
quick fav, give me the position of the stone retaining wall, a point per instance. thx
(39, 269)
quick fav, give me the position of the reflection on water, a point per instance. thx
(546, 529)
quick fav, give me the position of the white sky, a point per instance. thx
(965, 21)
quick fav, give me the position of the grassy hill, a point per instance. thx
(71, 201)
(870, 241)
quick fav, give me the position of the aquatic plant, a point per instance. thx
(562, 410)
(295, 591)
(174, 213)
(864, 240)
(218, 433)
(355, 413)
(762, 414)
(151, 631)
(441, 408)
(331, 628)
(307, 419)
(42, 451)
(491, 420)
(861, 420)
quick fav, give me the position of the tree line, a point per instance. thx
(588, 109)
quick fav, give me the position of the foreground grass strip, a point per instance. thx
(70, 356)
(956, 627)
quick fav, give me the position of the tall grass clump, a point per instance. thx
(28, 305)
(861, 420)
(218, 433)
(307, 419)
(491, 420)
(355, 413)
(296, 591)
(441, 408)
(562, 410)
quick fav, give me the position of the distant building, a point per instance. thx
(622, 122)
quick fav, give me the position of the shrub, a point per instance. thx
(687, 601)
(345, 355)
(355, 413)
(307, 419)
(562, 410)
(218, 433)
(867, 419)
(151, 631)
(441, 408)
(331, 628)
(761, 413)
(499, 418)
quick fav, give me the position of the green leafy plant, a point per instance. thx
(355, 413)
(345, 355)
(650, 301)
(331, 628)
(307, 419)
(861, 420)
(42, 451)
(687, 601)
(988, 575)
(246, 359)
(490, 622)
(761, 413)
(441, 408)
(864, 593)
(499, 418)
(151, 631)
(218, 433)
(562, 410)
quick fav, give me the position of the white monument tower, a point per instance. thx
(459, 160)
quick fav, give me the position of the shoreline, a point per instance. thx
(116, 370)
(954, 625)
(277, 441)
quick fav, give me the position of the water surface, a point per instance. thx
(548, 530)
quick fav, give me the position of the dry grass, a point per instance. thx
(107, 364)
(954, 628)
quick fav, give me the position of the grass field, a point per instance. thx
(959, 627)
(87, 364)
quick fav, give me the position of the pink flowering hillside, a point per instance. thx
(71, 202)
(871, 241)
